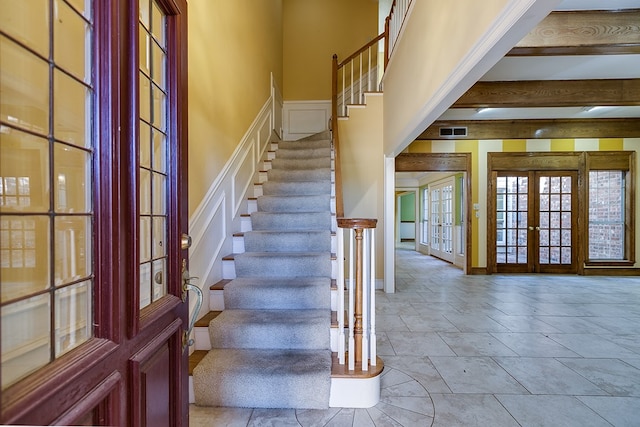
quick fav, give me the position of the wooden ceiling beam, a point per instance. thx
(551, 93)
(536, 129)
(583, 33)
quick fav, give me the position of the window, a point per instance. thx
(606, 215)
(610, 213)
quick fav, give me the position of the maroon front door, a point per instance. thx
(92, 212)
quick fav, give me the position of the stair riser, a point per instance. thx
(216, 300)
(280, 298)
(293, 221)
(239, 244)
(293, 188)
(278, 266)
(301, 164)
(271, 329)
(203, 340)
(286, 145)
(299, 175)
(265, 241)
(304, 153)
(294, 203)
(229, 269)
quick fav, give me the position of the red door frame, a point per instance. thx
(112, 379)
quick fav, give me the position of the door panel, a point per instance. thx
(535, 222)
(92, 194)
(556, 204)
(442, 219)
(511, 219)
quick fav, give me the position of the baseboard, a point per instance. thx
(480, 271)
(611, 272)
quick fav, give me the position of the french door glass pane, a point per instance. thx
(152, 152)
(46, 185)
(511, 219)
(555, 234)
(425, 216)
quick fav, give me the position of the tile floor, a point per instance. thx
(500, 350)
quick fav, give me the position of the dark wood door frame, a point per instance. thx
(525, 162)
(444, 162)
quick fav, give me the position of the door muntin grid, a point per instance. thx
(46, 182)
(512, 219)
(152, 153)
(555, 220)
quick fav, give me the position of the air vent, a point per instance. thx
(453, 131)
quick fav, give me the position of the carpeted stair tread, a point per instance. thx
(316, 174)
(294, 164)
(272, 343)
(283, 329)
(278, 293)
(264, 379)
(287, 241)
(312, 203)
(307, 153)
(321, 143)
(291, 220)
(276, 264)
(302, 187)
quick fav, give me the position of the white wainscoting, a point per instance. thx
(305, 118)
(213, 223)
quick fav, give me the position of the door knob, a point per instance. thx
(185, 241)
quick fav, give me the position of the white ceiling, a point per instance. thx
(572, 67)
(577, 67)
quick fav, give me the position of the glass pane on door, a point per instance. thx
(447, 219)
(152, 152)
(435, 220)
(511, 219)
(46, 182)
(555, 220)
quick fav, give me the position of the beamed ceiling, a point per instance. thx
(576, 75)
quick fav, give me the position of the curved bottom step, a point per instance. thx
(347, 390)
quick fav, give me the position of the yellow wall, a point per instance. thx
(479, 151)
(313, 31)
(363, 168)
(233, 48)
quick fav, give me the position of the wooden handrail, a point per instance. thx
(336, 137)
(362, 49)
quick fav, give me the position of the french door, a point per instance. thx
(441, 214)
(92, 212)
(535, 221)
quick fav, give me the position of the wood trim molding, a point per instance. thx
(537, 129)
(551, 93)
(444, 162)
(583, 33)
(433, 162)
(534, 161)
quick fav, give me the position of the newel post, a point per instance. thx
(359, 353)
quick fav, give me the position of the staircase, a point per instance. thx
(271, 345)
